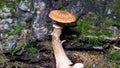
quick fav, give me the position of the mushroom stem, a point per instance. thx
(62, 61)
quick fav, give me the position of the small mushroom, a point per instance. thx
(61, 17)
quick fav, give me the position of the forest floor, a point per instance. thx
(91, 59)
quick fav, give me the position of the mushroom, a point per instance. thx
(62, 18)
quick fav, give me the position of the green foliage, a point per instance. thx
(17, 29)
(17, 48)
(117, 23)
(20, 48)
(2, 2)
(95, 41)
(91, 31)
(8, 3)
(33, 50)
(12, 4)
(114, 55)
(17, 26)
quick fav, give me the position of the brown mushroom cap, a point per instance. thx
(62, 16)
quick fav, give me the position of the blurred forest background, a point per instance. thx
(25, 35)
